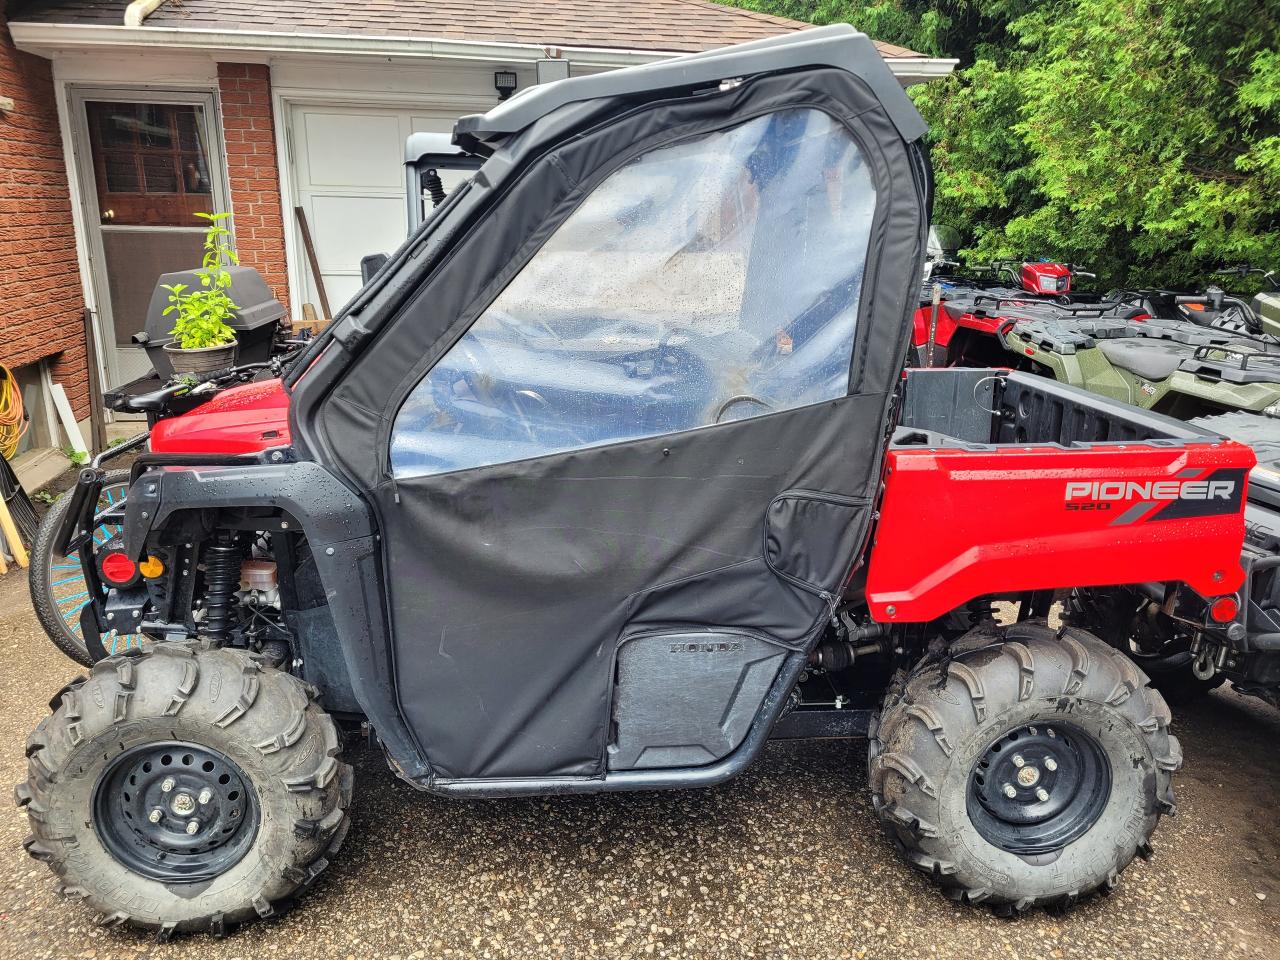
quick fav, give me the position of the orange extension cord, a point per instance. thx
(13, 422)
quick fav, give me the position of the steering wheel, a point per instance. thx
(734, 401)
(521, 397)
(515, 403)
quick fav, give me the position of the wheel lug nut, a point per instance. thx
(1009, 791)
(155, 815)
(166, 785)
(1018, 761)
(1041, 794)
(192, 826)
(206, 795)
(1050, 763)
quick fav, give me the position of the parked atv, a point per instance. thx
(609, 476)
(952, 292)
(1187, 355)
(1171, 366)
(1183, 354)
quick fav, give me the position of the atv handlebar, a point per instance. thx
(153, 402)
(1270, 277)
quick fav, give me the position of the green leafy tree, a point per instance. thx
(202, 314)
(1139, 137)
(941, 28)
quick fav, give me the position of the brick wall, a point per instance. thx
(251, 169)
(41, 301)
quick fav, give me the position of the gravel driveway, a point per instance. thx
(786, 861)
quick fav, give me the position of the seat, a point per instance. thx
(1149, 359)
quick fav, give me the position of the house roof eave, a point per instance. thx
(49, 39)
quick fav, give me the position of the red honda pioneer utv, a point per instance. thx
(608, 476)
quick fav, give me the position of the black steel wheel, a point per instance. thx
(1023, 767)
(1039, 787)
(186, 789)
(176, 812)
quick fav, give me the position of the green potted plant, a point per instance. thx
(202, 338)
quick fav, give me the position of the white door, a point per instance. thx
(348, 169)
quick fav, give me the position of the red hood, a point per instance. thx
(244, 419)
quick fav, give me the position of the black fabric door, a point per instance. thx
(513, 584)
(649, 392)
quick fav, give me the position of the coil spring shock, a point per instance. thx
(978, 610)
(221, 581)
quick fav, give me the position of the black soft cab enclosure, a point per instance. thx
(623, 399)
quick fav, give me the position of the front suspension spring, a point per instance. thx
(221, 581)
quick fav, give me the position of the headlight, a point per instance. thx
(1273, 410)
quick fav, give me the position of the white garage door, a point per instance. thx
(349, 178)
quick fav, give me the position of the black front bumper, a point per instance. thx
(75, 534)
(78, 523)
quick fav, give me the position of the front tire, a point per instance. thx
(146, 746)
(1025, 768)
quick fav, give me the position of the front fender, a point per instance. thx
(342, 534)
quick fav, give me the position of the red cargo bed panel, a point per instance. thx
(960, 523)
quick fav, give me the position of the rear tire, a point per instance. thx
(185, 712)
(945, 747)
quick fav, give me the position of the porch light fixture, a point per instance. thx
(504, 81)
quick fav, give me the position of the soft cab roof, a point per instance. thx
(837, 46)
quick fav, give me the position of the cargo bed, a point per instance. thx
(999, 482)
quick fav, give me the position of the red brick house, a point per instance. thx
(119, 120)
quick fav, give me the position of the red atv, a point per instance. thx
(610, 475)
(954, 299)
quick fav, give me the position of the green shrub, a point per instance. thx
(1140, 138)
